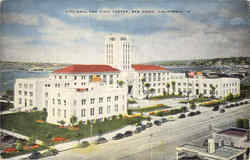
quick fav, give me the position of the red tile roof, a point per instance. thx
(144, 67)
(86, 69)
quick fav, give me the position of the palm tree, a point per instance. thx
(173, 86)
(168, 86)
(73, 120)
(212, 89)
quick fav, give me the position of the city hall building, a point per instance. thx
(97, 91)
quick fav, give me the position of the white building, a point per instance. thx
(97, 91)
(28, 93)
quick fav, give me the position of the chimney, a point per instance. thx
(211, 146)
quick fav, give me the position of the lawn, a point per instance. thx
(150, 108)
(165, 97)
(25, 123)
(196, 100)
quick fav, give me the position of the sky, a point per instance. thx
(41, 31)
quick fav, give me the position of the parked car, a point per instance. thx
(157, 122)
(216, 108)
(118, 136)
(222, 110)
(149, 124)
(50, 152)
(190, 114)
(163, 120)
(198, 112)
(246, 102)
(35, 155)
(128, 133)
(182, 116)
(143, 127)
(101, 140)
(138, 129)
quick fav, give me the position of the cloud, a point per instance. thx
(19, 18)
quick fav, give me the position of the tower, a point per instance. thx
(118, 52)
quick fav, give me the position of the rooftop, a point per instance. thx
(238, 132)
(224, 152)
(144, 67)
(86, 69)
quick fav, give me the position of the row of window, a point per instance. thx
(84, 101)
(92, 111)
(25, 85)
(83, 77)
(230, 84)
(25, 102)
(25, 93)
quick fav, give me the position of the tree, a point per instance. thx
(168, 86)
(192, 105)
(173, 86)
(245, 123)
(31, 141)
(229, 97)
(120, 83)
(44, 115)
(62, 122)
(73, 120)
(184, 109)
(147, 85)
(19, 145)
(212, 90)
(239, 123)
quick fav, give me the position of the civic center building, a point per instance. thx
(97, 91)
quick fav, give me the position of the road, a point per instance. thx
(163, 139)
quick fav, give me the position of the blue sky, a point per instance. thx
(40, 31)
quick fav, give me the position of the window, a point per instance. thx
(204, 91)
(31, 94)
(100, 100)
(159, 76)
(92, 111)
(31, 86)
(20, 100)
(46, 94)
(58, 101)
(46, 103)
(123, 107)
(20, 92)
(65, 112)
(58, 112)
(31, 103)
(25, 86)
(25, 93)
(116, 98)
(197, 85)
(65, 77)
(83, 112)
(100, 110)
(60, 77)
(108, 99)
(108, 109)
(74, 102)
(65, 103)
(20, 85)
(205, 85)
(92, 100)
(116, 107)
(53, 111)
(53, 101)
(75, 77)
(111, 79)
(83, 101)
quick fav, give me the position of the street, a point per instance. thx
(162, 140)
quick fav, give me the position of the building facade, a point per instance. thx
(98, 91)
